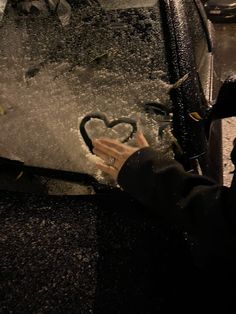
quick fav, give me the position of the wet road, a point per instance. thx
(226, 45)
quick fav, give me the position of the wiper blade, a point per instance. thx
(69, 176)
(157, 108)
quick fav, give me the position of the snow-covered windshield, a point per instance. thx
(52, 75)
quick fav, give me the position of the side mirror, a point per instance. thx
(225, 105)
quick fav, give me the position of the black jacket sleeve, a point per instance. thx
(195, 203)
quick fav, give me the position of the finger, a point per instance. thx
(113, 144)
(107, 169)
(100, 154)
(141, 140)
(106, 159)
(104, 148)
(117, 163)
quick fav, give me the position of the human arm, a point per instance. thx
(193, 202)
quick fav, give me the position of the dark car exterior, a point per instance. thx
(101, 253)
(175, 48)
(221, 10)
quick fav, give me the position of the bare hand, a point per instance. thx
(114, 154)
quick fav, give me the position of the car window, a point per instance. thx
(111, 61)
(199, 40)
(197, 32)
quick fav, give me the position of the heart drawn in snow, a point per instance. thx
(109, 125)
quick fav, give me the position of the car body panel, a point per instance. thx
(104, 253)
(221, 11)
(91, 254)
(200, 90)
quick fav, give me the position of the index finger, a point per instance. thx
(115, 144)
(141, 140)
(107, 149)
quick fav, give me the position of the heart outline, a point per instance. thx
(109, 125)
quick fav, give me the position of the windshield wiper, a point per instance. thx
(63, 175)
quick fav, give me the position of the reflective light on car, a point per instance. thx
(215, 11)
(221, 11)
(232, 5)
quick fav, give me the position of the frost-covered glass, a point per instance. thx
(107, 57)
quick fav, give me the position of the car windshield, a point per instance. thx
(61, 60)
